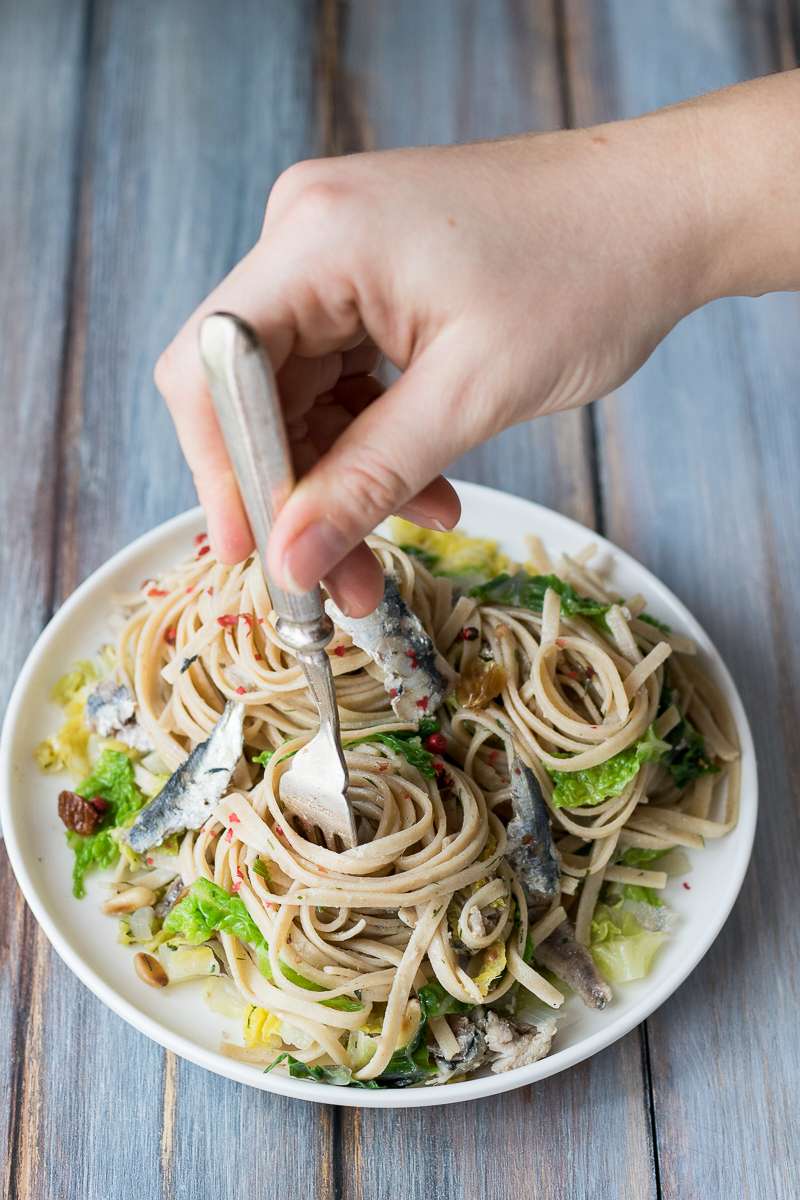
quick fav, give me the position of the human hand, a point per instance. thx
(504, 279)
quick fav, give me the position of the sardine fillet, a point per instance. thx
(573, 963)
(192, 793)
(416, 678)
(530, 848)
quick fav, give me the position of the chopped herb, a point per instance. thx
(689, 759)
(187, 662)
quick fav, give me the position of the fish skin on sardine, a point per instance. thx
(535, 861)
(471, 1049)
(111, 712)
(562, 954)
(192, 792)
(172, 895)
(416, 678)
(109, 706)
(530, 848)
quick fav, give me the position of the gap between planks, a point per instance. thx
(345, 128)
(23, 1162)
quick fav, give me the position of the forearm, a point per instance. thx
(505, 279)
(706, 192)
(748, 141)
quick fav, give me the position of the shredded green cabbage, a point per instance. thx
(113, 780)
(636, 856)
(406, 742)
(208, 909)
(646, 895)
(576, 789)
(409, 745)
(70, 685)
(336, 1075)
(68, 749)
(621, 947)
(450, 553)
(528, 591)
(487, 966)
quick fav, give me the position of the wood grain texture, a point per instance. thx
(287, 1146)
(399, 74)
(191, 110)
(194, 109)
(174, 120)
(578, 1136)
(42, 65)
(701, 483)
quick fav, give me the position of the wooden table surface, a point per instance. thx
(138, 142)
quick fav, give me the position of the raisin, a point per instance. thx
(78, 814)
(480, 683)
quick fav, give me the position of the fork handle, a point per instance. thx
(250, 415)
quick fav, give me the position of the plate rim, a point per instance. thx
(322, 1093)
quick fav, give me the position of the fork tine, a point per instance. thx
(330, 840)
(308, 827)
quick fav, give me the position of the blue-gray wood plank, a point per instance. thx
(190, 112)
(138, 144)
(700, 481)
(42, 68)
(478, 71)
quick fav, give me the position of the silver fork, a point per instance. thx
(249, 411)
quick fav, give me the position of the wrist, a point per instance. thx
(748, 163)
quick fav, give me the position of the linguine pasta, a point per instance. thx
(421, 954)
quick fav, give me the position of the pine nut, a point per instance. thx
(150, 970)
(129, 900)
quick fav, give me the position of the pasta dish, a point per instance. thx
(530, 756)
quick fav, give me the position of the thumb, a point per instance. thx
(389, 454)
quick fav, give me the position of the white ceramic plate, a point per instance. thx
(85, 939)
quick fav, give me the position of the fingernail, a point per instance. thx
(421, 518)
(313, 552)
